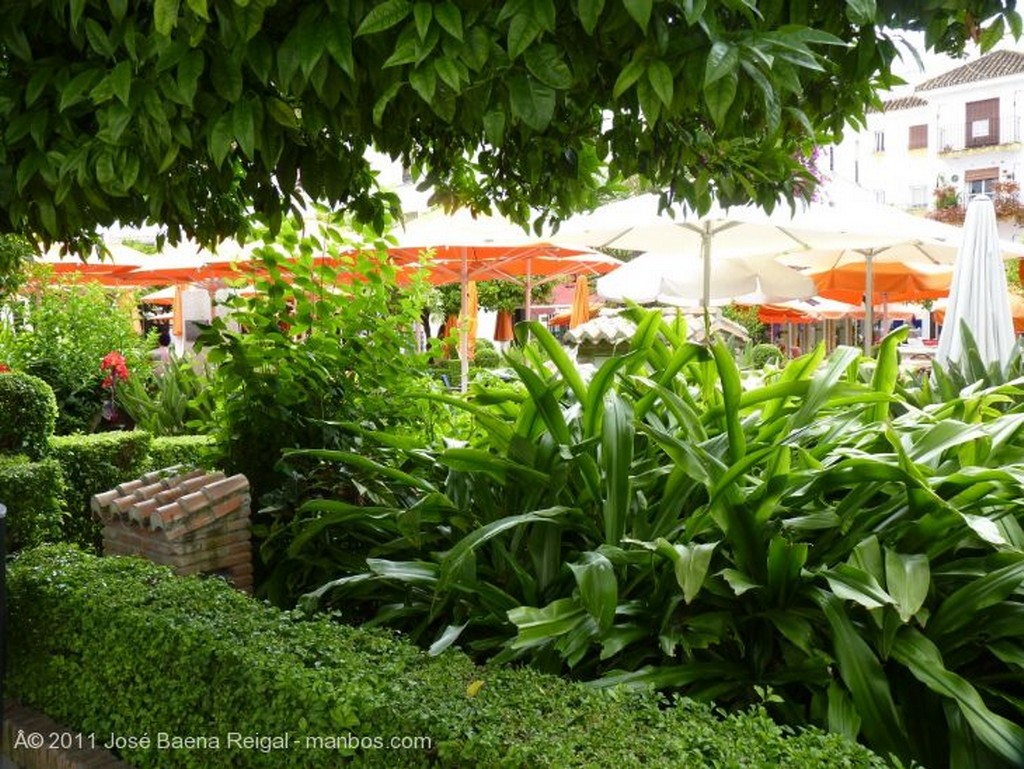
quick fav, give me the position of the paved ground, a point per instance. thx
(33, 740)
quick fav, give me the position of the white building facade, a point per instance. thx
(963, 129)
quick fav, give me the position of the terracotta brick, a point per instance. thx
(226, 487)
(129, 487)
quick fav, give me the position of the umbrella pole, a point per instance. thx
(705, 252)
(869, 298)
(464, 325)
(528, 299)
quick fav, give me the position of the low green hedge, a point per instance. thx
(28, 412)
(32, 492)
(190, 450)
(93, 464)
(120, 646)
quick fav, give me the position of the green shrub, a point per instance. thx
(486, 357)
(763, 354)
(32, 492)
(93, 464)
(28, 412)
(190, 450)
(192, 657)
(62, 328)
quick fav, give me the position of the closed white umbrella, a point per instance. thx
(978, 297)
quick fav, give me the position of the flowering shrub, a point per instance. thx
(115, 367)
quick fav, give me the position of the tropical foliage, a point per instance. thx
(196, 113)
(812, 534)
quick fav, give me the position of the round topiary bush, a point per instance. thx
(487, 357)
(28, 413)
(763, 354)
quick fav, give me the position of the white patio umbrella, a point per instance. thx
(677, 279)
(978, 297)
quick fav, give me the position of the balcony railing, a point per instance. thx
(952, 136)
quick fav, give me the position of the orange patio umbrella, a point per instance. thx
(891, 281)
(459, 248)
(1016, 312)
(101, 268)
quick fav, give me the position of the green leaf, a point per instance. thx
(220, 138)
(339, 46)
(165, 16)
(589, 11)
(200, 9)
(640, 11)
(539, 626)
(523, 30)
(598, 586)
(544, 12)
(243, 126)
(463, 549)
(447, 638)
(690, 563)
(660, 77)
(865, 679)
(629, 75)
(842, 713)
(449, 17)
(494, 127)
(383, 16)
(121, 81)
(616, 460)
(907, 577)
(424, 81)
(546, 64)
(448, 70)
(719, 97)
(923, 659)
(383, 102)
(960, 608)
(856, 585)
(423, 14)
(861, 12)
(226, 74)
(723, 61)
(532, 102)
(77, 88)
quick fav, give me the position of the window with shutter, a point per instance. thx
(918, 137)
(982, 123)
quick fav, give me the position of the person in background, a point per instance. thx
(162, 354)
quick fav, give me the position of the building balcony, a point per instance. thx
(1006, 132)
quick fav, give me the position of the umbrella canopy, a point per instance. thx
(848, 280)
(1016, 311)
(580, 310)
(677, 279)
(106, 269)
(461, 248)
(978, 297)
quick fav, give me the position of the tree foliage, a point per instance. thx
(196, 113)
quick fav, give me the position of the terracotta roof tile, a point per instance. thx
(992, 65)
(903, 102)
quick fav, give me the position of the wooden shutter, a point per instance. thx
(982, 125)
(918, 137)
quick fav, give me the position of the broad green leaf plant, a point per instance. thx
(667, 523)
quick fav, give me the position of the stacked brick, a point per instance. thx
(191, 520)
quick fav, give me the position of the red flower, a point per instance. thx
(4, 368)
(115, 363)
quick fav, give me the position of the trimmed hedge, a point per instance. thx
(28, 413)
(33, 493)
(192, 658)
(93, 464)
(190, 450)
